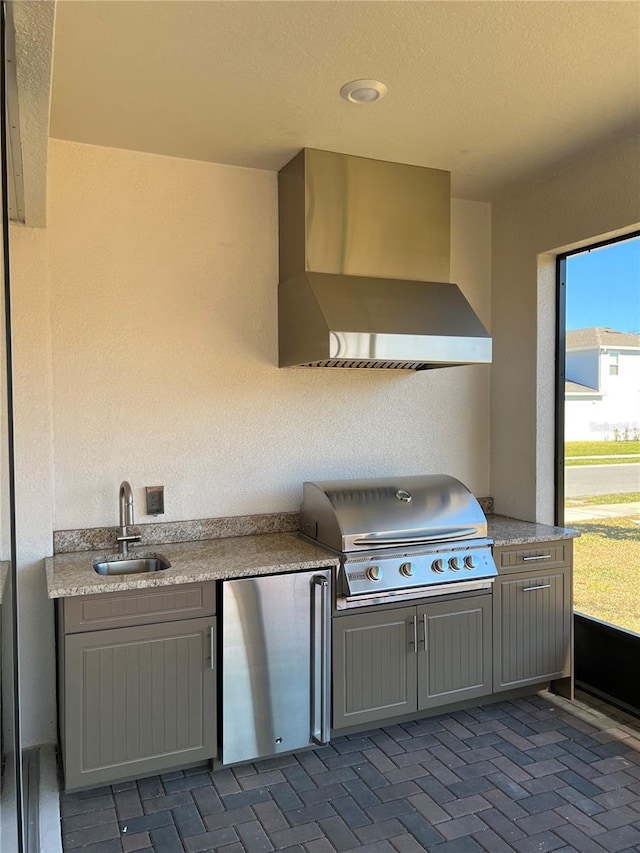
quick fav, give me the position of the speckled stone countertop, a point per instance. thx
(191, 562)
(239, 556)
(511, 531)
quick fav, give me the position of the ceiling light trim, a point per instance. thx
(363, 91)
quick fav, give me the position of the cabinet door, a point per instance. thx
(532, 622)
(454, 659)
(374, 666)
(138, 700)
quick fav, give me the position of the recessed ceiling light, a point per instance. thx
(363, 91)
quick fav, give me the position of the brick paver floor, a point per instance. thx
(534, 774)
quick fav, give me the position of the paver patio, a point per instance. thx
(534, 774)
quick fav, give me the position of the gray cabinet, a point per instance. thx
(454, 651)
(137, 699)
(391, 662)
(374, 669)
(532, 615)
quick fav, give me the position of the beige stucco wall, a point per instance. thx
(596, 198)
(164, 343)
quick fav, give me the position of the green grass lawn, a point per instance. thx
(620, 460)
(627, 451)
(624, 498)
(607, 571)
(600, 448)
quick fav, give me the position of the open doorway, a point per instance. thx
(598, 453)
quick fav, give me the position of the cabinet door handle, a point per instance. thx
(424, 629)
(212, 646)
(414, 641)
(320, 685)
(531, 588)
(539, 557)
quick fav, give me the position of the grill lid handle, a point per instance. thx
(434, 535)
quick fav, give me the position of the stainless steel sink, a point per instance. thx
(134, 565)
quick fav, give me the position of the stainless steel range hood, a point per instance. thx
(364, 268)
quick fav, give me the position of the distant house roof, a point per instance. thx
(578, 388)
(599, 337)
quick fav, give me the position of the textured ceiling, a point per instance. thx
(492, 91)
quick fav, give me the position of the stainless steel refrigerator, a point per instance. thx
(276, 643)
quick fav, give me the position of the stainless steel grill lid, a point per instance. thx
(390, 512)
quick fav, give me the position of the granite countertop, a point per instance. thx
(510, 531)
(239, 556)
(191, 562)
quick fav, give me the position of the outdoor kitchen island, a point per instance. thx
(101, 666)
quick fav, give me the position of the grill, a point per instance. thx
(399, 537)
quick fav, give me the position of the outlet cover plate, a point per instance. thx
(155, 500)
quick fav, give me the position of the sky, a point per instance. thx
(603, 287)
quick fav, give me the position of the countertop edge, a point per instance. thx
(506, 531)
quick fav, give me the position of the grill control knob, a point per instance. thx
(469, 562)
(437, 566)
(455, 563)
(406, 570)
(374, 573)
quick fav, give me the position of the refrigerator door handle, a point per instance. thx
(320, 680)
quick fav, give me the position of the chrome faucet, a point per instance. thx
(126, 519)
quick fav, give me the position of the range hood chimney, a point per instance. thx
(364, 267)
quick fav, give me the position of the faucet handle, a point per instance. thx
(124, 541)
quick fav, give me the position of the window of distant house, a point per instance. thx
(613, 363)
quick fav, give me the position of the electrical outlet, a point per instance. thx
(155, 500)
